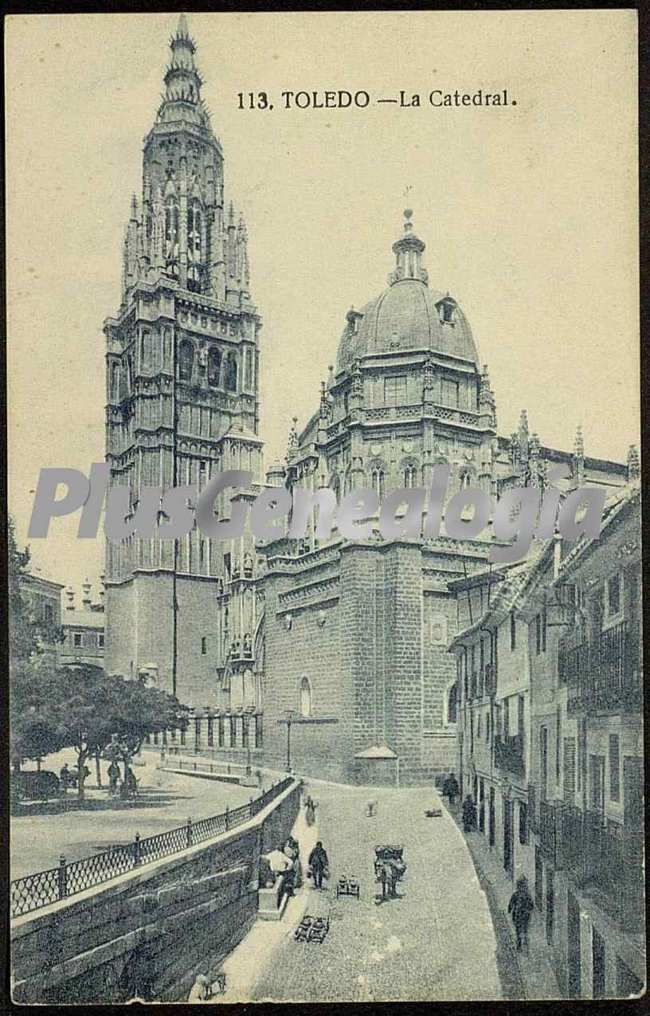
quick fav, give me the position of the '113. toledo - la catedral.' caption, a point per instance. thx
(343, 98)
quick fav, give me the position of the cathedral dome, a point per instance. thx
(408, 315)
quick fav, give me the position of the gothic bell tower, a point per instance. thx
(182, 367)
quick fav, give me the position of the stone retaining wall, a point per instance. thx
(147, 933)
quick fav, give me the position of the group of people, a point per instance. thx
(124, 787)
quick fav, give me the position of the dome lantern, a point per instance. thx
(408, 252)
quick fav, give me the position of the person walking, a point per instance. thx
(113, 778)
(65, 777)
(310, 811)
(520, 908)
(469, 814)
(319, 863)
(450, 788)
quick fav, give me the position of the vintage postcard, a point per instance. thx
(324, 492)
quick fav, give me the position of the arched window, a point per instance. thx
(194, 231)
(305, 697)
(214, 367)
(145, 349)
(409, 476)
(452, 703)
(335, 485)
(231, 372)
(465, 479)
(167, 346)
(171, 227)
(115, 381)
(377, 481)
(185, 360)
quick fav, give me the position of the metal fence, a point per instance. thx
(44, 887)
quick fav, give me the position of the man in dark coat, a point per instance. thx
(520, 908)
(450, 788)
(469, 814)
(318, 863)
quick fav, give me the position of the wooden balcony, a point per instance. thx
(603, 675)
(509, 754)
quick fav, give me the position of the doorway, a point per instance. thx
(481, 805)
(491, 817)
(550, 905)
(539, 879)
(573, 945)
(507, 837)
(598, 964)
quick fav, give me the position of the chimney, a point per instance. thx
(86, 601)
(70, 597)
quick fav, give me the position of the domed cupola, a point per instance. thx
(408, 315)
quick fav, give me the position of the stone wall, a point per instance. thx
(147, 933)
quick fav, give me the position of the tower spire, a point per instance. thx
(182, 97)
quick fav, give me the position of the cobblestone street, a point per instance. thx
(435, 942)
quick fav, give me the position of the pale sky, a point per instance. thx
(529, 212)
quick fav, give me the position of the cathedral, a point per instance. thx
(331, 656)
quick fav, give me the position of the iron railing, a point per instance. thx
(44, 887)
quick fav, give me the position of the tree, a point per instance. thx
(102, 711)
(35, 724)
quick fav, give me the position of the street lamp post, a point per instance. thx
(289, 715)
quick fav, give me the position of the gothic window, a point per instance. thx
(167, 346)
(335, 485)
(248, 383)
(171, 228)
(231, 372)
(115, 381)
(452, 703)
(194, 231)
(395, 391)
(305, 697)
(377, 480)
(185, 360)
(214, 367)
(450, 393)
(409, 476)
(465, 479)
(145, 349)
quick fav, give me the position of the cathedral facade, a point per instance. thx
(331, 656)
(357, 632)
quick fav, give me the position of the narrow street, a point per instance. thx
(435, 942)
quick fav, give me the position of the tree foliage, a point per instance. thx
(76, 707)
(27, 635)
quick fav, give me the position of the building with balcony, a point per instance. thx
(586, 776)
(491, 652)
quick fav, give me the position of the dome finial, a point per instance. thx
(408, 215)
